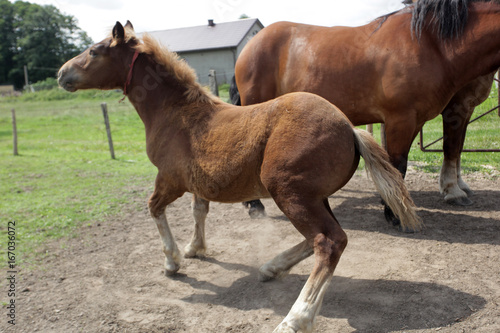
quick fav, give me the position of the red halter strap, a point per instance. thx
(129, 77)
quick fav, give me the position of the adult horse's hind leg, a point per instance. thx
(256, 209)
(197, 246)
(162, 196)
(399, 135)
(328, 240)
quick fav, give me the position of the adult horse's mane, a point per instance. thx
(172, 64)
(447, 18)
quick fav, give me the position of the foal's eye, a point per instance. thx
(92, 53)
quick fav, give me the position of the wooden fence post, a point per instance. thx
(369, 128)
(383, 138)
(498, 87)
(14, 131)
(212, 82)
(104, 107)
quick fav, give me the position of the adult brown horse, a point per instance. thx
(403, 69)
(297, 149)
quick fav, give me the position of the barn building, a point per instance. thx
(213, 46)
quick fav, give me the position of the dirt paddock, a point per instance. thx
(110, 278)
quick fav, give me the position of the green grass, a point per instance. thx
(64, 177)
(481, 134)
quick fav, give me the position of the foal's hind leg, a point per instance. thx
(197, 246)
(282, 263)
(158, 202)
(317, 223)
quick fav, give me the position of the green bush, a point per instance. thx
(47, 84)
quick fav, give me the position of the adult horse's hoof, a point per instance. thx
(390, 217)
(461, 201)
(406, 230)
(257, 213)
(256, 209)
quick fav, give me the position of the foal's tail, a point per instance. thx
(388, 180)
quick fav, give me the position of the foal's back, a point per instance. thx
(245, 149)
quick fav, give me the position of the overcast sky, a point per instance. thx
(97, 17)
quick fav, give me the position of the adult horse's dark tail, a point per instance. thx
(234, 93)
(255, 207)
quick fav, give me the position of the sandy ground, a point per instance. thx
(110, 278)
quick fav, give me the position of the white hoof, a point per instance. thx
(267, 274)
(284, 328)
(171, 269)
(172, 264)
(192, 252)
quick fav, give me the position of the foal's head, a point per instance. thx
(104, 65)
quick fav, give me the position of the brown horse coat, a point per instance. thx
(403, 69)
(297, 149)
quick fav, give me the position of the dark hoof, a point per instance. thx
(462, 201)
(468, 191)
(406, 230)
(257, 213)
(391, 218)
(256, 210)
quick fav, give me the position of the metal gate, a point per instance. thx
(424, 148)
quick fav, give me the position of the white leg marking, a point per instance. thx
(448, 178)
(302, 315)
(461, 183)
(197, 246)
(451, 184)
(280, 265)
(172, 254)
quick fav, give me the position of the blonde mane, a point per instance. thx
(176, 66)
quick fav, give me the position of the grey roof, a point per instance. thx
(205, 37)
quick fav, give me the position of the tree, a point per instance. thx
(41, 38)
(7, 41)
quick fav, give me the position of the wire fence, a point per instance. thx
(495, 98)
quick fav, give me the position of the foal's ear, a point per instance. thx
(118, 33)
(129, 25)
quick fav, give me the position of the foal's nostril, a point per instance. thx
(67, 78)
(63, 79)
(62, 71)
(60, 76)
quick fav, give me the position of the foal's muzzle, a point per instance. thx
(66, 80)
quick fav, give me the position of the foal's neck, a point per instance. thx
(162, 99)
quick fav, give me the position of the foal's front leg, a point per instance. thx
(197, 246)
(157, 204)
